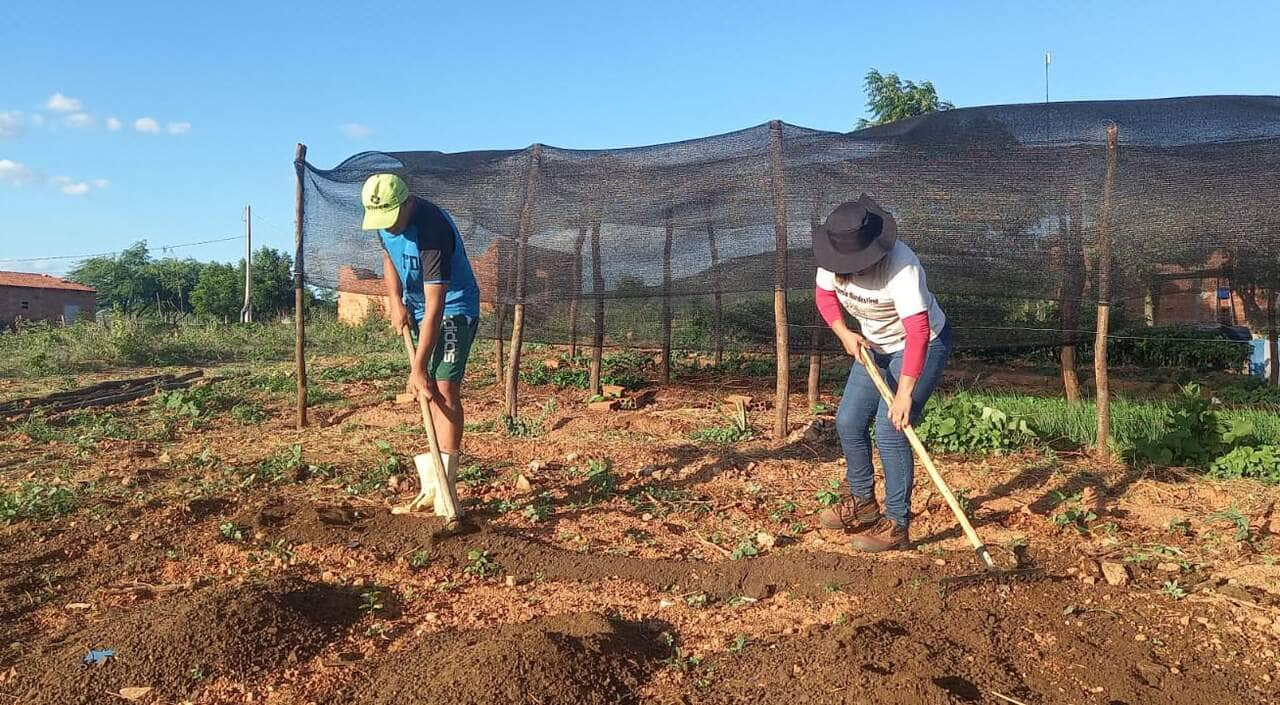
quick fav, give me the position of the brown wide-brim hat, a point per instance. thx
(855, 236)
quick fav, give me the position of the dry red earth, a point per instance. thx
(573, 590)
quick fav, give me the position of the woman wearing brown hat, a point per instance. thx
(864, 269)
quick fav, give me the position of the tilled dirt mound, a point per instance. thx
(807, 574)
(928, 650)
(175, 644)
(570, 659)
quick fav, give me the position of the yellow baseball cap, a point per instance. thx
(382, 196)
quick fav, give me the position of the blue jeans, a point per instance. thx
(862, 403)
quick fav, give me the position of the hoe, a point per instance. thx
(990, 571)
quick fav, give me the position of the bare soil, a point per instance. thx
(691, 574)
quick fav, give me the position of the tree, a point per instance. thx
(889, 98)
(220, 291)
(123, 281)
(272, 283)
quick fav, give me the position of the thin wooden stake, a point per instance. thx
(300, 316)
(499, 325)
(1072, 290)
(666, 302)
(717, 329)
(577, 293)
(815, 366)
(815, 338)
(1102, 382)
(517, 321)
(597, 290)
(781, 332)
(1273, 339)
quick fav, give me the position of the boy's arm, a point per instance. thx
(399, 314)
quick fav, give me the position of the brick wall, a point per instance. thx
(43, 304)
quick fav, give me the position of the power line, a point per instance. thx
(162, 248)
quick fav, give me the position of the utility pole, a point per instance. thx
(246, 311)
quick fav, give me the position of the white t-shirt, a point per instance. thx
(892, 289)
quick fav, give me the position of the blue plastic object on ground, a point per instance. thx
(97, 657)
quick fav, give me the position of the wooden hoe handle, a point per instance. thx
(927, 461)
(444, 489)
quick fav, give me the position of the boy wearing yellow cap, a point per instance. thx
(431, 288)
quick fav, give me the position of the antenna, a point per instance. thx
(1048, 59)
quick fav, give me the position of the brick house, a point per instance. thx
(40, 297)
(361, 291)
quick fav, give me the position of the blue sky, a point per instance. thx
(160, 121)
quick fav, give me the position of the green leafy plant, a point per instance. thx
(739, 643)
(523, 427)
(36, 501)
(783, 512)
(539, 509)
(962, 424)
(371, 600)
(480, 565)
(249, 412)
(473, 475)
(230, 531)
(830, 494)
(600, 479)
(737, 430)
(746, 548)
(1173, 589)
(1194, 435)
(1239, 521)
(1260, 462)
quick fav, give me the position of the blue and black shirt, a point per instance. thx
(430, 251)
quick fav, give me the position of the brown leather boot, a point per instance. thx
(884, 535)
(850, 514)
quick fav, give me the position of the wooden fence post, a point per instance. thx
(499, 324)
(577, 293)
(1273, 337)
(597, 290)
(300, 315)
(1104, 301)
(781, 332)
(716, 330)
(815, 338)
(666, 301)
(1072, 290)
(523, 224)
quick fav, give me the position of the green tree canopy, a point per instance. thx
(220, 291)
(890, 98)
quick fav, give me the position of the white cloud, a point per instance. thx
(179, 128)
(15, 173)
(62, 104)
(80, 120)
(355, 130)
(10, 124)
(71, 187)
(147, 124)
(114, 124)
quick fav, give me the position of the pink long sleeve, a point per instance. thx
(917, 329)
(828, 305)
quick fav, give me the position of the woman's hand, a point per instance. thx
(900, 410)
(853, 343)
